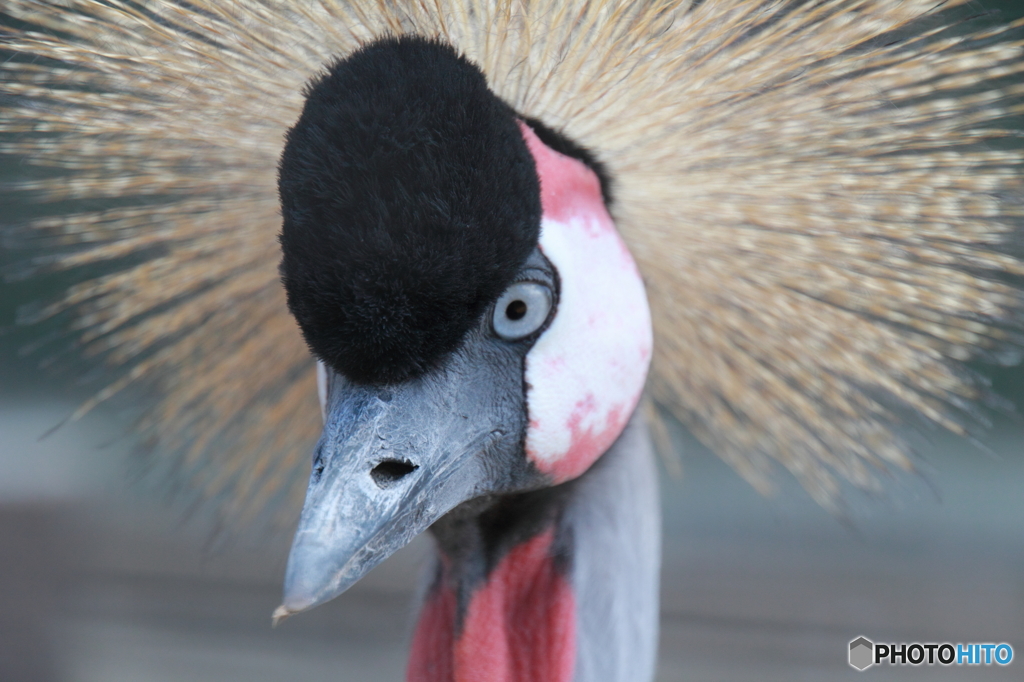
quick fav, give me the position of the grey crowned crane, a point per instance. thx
(484, 338)
(815, 194)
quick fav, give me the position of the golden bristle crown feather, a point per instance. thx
(822, 196)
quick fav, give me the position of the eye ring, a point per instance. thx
(522, 310)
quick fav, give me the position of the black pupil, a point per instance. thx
(516, 310)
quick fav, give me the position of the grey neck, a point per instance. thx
(615, 520)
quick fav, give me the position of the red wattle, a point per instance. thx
(430, 657)
(520, 625)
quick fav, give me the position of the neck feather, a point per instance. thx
(559, 585)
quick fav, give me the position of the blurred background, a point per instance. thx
(105, 578)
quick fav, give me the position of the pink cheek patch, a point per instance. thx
(586, 372)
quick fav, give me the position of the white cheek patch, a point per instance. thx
(586, 372)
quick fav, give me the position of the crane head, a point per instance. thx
(480, 326)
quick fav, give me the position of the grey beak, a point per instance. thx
(393, 460)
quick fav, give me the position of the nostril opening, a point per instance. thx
(391, 471)
(318, 464)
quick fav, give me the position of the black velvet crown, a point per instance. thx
(410, 200)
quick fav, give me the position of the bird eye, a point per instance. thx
(521, 310)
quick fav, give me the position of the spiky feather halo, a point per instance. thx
(819, 194)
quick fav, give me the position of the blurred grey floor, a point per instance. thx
(99, 584)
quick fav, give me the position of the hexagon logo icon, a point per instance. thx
(862, 652)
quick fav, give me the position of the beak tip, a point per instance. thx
(281, 614)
